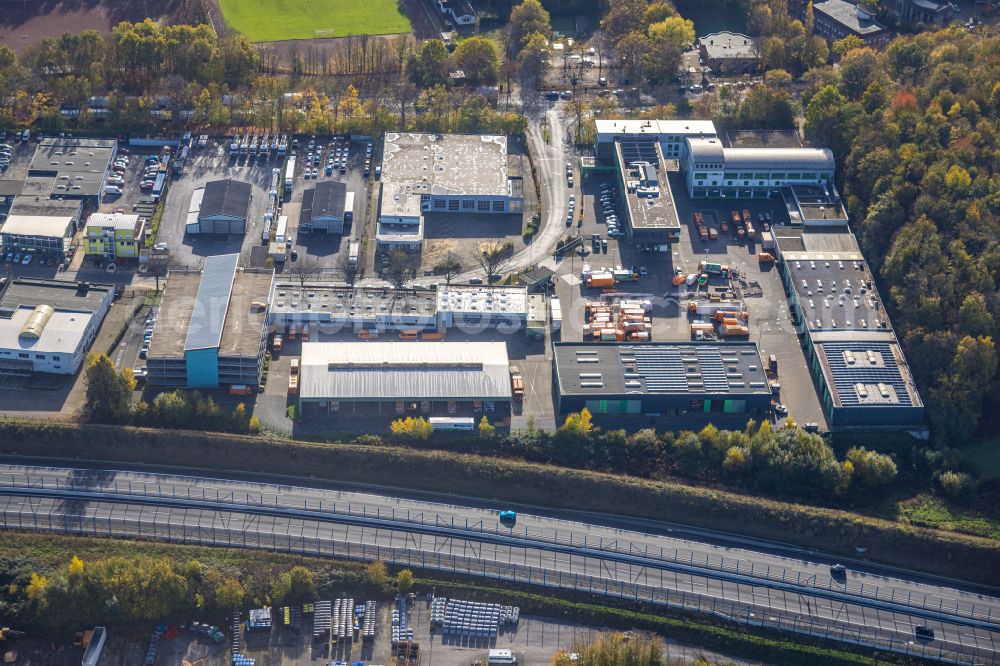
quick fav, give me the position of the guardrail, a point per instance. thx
(736, 571)
(123, 520)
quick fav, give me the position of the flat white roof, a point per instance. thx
(475, 299)
(606, 129)
(415, 164)
(62, 333)
(37, 225)
(117, 221)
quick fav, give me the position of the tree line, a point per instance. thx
(916, 127)
(786, 461)
(124, 590)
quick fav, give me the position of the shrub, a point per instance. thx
(956, 484)
(417, 428)
(870, 468)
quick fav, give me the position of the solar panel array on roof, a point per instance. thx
(640, 150)
(866, 373)
(685, 369)
(212, 302)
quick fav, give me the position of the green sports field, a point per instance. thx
(277, 20)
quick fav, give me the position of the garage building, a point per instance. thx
(323, 208)
(222, 208)
(404, 378)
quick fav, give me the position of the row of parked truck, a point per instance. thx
(258, 143)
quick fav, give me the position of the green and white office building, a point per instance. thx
(713, 171)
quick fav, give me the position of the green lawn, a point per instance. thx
(276, 20)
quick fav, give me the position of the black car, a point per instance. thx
(552, 96)
(924, 632)
(839, 573)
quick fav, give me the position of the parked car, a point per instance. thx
(566, 94)
(26, 260)
(113, 191)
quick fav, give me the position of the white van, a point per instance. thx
(113, 190)
(501, 658)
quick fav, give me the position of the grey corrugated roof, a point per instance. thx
(212, 302)
(226, 197)
(325, 200)
(358, 371)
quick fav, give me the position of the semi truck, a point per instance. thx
(293, 377)
(349, 207)
(289, 175)
(602, 279)
(516, 383)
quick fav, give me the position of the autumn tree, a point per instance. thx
(109, 391)
(477, 57)
(294, 586)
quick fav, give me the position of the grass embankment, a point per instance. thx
(930, 511)
(278, 20)
(945, 553)
(43, 553)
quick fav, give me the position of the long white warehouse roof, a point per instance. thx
(397, 370)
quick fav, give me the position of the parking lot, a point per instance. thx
(204, 165)
(319, 250)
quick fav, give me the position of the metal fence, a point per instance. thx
(108, 519)
(283, 497)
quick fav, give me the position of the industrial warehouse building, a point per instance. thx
(660, 379)
(220, 208)
(332, 307)
(860, 370)
(323, 208)
(70, 168)
(211, 328)
(41, 226)
(404, 378)
(48, 325)
(714, 171)
(441, 173)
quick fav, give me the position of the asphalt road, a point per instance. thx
(664, 565)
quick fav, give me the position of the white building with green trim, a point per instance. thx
(713, 171)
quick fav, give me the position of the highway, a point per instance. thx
(561, 553)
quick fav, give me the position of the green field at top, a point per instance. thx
(277, 20)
